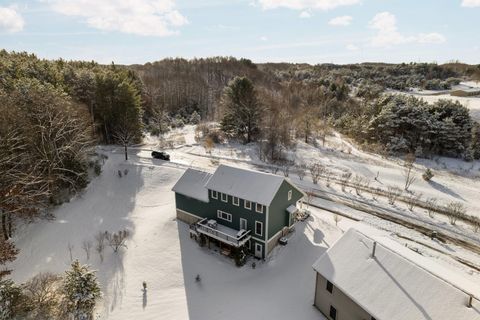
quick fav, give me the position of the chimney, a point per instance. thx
(470, 301)
(374, 247)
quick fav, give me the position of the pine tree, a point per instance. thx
(243, 112)
(10, 298)
(81, 289)
(475, 143)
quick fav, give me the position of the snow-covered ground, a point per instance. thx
(161, 253)
(454, 180)
(431, 96)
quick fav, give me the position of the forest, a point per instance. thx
(54, 113)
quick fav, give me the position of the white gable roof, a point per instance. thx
(398, 283)
(192, 184)
(250, 185)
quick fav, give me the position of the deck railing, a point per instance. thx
(236, 241)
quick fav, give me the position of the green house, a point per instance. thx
(236, 207)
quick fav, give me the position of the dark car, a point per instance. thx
(161, 155)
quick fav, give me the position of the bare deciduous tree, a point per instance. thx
(100, 238)
(358, 182)
(413, 199)
(431, 206)
(316, 170)
(125, 136)
(393, 193)
(286, 170)
(43, 296)
(301, 172)
(344, 179)
(70, 250)
(309, 197)
(328, 175)
(455, 210)
(117, 240)
(23, 192)
(87, 247)
(475, 221)
(408, 172)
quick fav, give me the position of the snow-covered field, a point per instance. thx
(430, 96)
(454, 180)
(161, 253)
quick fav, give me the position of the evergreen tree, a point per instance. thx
(8, 253)
(118, 105)
(81, 289)
(10, 300)
(475, 144)
(243, 112)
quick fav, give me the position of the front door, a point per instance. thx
(258, 250)
(243, 224)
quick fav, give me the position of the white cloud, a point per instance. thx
(388, 35)
(471, 3)
(141, 17)
(431, 38)
(305, 14)
(341, 21)
(10, 20)
(263, 38)
(305, 4)
(352, 47)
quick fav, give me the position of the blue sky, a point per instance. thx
(313, 31)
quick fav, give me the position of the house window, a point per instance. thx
(224, 215)
(259, 228)
(333, 313)
(214, 194)
(224, 197)
(329, 286)
(259, 208)
(289, 195)
(248, 205)
(235, 201)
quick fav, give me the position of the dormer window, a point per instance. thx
(235, 201)
(259, 208)
(224, 197)
(214, 194)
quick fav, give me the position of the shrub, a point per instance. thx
(455, 211)
(97, 168)
(427, 175)
(216, 136)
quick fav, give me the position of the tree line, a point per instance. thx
(52, 113)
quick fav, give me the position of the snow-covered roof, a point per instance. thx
(254, 186)
(397, 283)
(192, 184)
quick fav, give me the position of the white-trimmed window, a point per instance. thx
(224, 197)
(224, 215)
(289, 195)
(259, 228)
(259, 207)
(235, 201)
(214, 194)
(247, 205)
